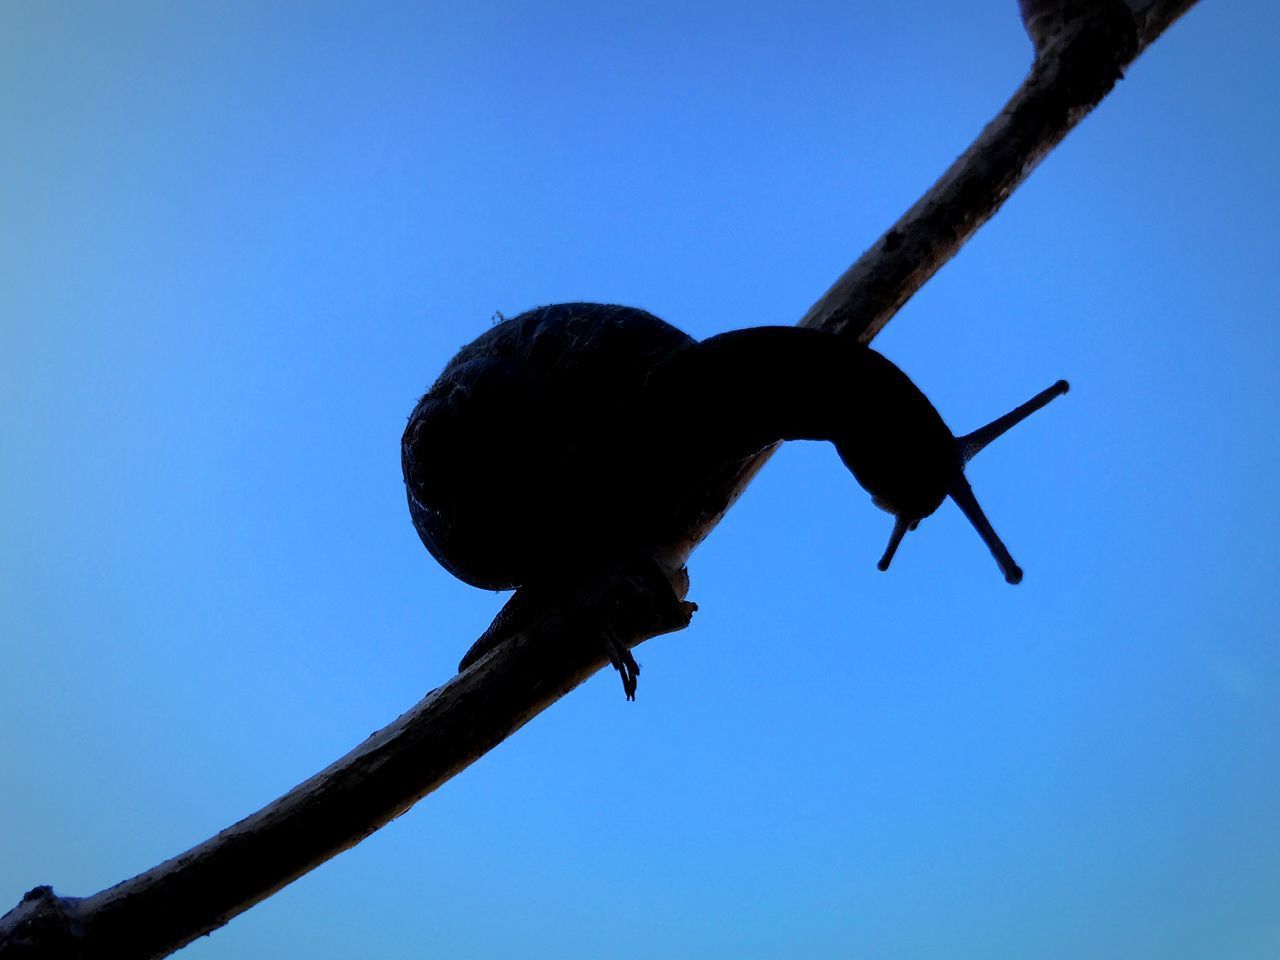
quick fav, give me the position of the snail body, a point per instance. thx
(577, 430)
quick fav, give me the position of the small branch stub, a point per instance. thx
(43, 925)
(1107, 24)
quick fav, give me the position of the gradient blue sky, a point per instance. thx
(239, 239)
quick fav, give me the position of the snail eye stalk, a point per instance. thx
(969, 446)
(962, 494)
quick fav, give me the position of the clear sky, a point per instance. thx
(239, 239)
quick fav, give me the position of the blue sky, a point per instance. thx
(238, 243)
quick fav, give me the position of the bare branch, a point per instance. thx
(170, 905)
(552, 647)
(1077, 65)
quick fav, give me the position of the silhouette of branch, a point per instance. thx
(545, 649)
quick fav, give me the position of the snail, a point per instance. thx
(579, 431)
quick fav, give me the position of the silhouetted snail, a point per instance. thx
(579, 430)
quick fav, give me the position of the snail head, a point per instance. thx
(908, 514)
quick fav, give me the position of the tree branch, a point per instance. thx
(551, 647)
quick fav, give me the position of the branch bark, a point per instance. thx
(1082, 48)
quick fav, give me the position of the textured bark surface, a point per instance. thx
(550, 648)
(159, 911)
